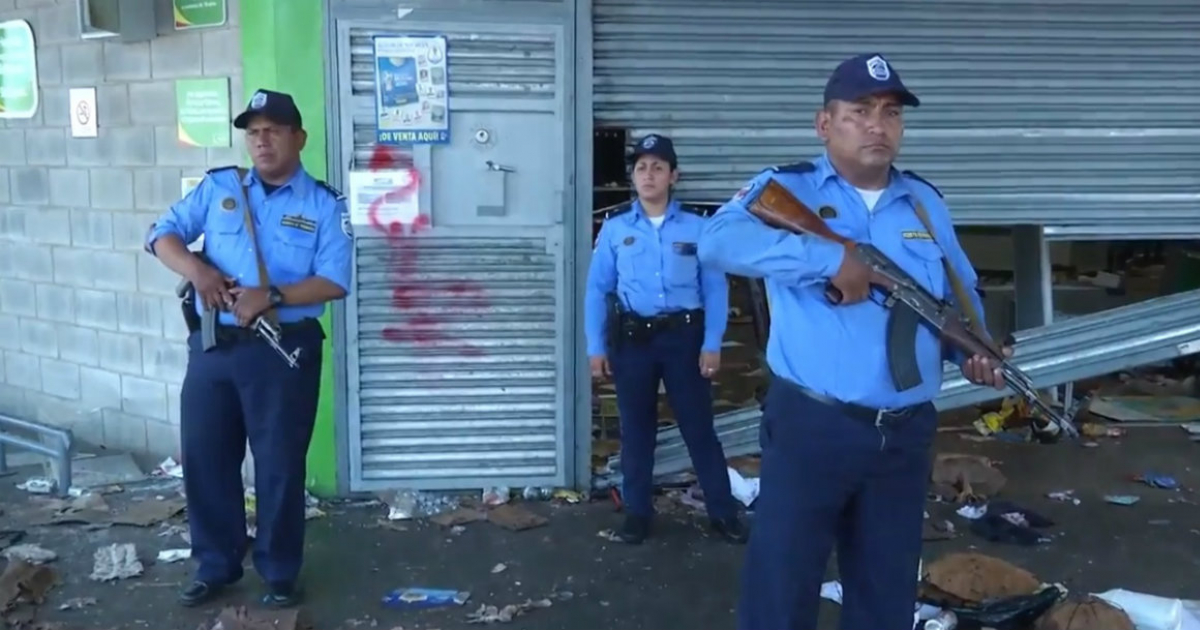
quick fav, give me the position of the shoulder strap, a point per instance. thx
(264, 279)
(956, 283)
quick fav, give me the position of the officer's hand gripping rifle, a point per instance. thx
(907, 301)
(207, 325)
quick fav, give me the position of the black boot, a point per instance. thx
(634, 530)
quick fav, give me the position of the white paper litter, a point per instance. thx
(115, 562)
(744, 490)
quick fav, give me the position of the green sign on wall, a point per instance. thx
(18, 70)
(198, 13)
(202, 112)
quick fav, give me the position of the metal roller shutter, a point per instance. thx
(1053, 112)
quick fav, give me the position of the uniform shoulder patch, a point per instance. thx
(220, 169)
(619, 210)
(696, 210)
(912, 175)
(798, 167)
(337, 194)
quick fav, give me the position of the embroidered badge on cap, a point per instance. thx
(649, 142)
(228, 203)
(259, 100)
(878, 68)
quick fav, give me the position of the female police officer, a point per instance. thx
(670, 318)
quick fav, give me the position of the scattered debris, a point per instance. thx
(169, 556)
(569, 496)
(975, 577)
(500, 568)
(1121, 499)
(534, 493)
(1147, 409)
(744, 489)
(515, 518)
(1151, 612)
(609, 535)
(418, 597)
(960, 477)
(1096, 430)
(38, 485)
(1155, 480)
(76, 603)
(498, 495)
(115, 562)
(169, 468)
(242, 618)
(33, 554)
(1067, 496)
(461, 516)
(492, 614)
(1089, 614)
(10, 537)
(25, 583)
(410, 504)
(938, 529)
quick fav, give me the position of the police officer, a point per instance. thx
(280, 247)
(845, 457)
(671, 314)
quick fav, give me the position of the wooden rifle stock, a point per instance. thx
(778, 207)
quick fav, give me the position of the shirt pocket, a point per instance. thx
(683, 269)
(631, 258)
(295, 250)
(223, 229)
(927, 265)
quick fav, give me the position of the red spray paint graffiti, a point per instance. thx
(409, 293)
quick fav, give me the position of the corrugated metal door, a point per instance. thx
(455, 334)
(1056, 111)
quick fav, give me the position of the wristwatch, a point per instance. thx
(275, 296)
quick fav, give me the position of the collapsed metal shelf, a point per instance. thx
(51, 442)
(1080, 347)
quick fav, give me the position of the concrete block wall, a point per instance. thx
(90, 331)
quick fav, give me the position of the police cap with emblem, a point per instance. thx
(276, 107)
(866, 75)
(658, 146)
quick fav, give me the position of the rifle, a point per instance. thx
(907, 301)
(206, 322)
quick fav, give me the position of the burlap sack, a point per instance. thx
(974, 577)
(1089, 614)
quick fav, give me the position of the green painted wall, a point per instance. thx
(282, 49)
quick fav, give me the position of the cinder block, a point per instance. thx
(174, 328)
(173, 392)
(82, 65)
(56, 107)
(73, 267)
(112, 106)
(77, 344)
(171, 152)
(120, 352)
(49, 64)
(10, 333)
(90, 151)
(100, 388)
(30, 186)
(60, 379)
(144, 397)
(132, 146)
(45, 147)
(127, 61)
(51, 226)
(156, 189)
(176, 55)
(114, 270)
(154, 278)
(164, 360)
(55, 303)
(162, 439)
(22, 370)
(39, 338)
(155, 102)
(129, 230)
(28, 261)
(140, 314)
(222, 53)
(4, 189)
(57, 23)
(124, 431)
(13, 141)
(18, 297)
(96, 309)
(92, 229)
(112, 188)
(12, 224)
(70, 188)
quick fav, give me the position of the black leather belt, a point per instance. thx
(665, 321)
(237, 334)
(879, 417)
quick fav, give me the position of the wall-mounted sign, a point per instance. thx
(198, 13)
(83, 112)
(18, 70)
(202, 112)
(411, 90)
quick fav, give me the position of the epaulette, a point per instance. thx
(337, 194)
(619, 210)
(219, 169)
(924, 181)
(696, 210)
(797, 168)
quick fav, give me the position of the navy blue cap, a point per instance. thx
(277, 107)
(866, 75)
(656, 145)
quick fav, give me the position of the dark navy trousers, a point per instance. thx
(829, 479)
(672, 357)
(232, 393)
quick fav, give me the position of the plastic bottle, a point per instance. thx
(945, 620)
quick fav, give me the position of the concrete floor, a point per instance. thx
(682, 579)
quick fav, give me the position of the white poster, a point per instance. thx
(384, 199)
(411, 90)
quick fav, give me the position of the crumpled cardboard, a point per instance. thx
(974, 577)
(961, 477)
(1089, 614)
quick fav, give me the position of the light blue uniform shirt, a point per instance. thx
(840, 351)
(654, 271)
(303, 229)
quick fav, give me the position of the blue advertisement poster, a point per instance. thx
(411, 90)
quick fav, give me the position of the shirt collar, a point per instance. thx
(299, 182)
(672, 209)
(825, 172)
